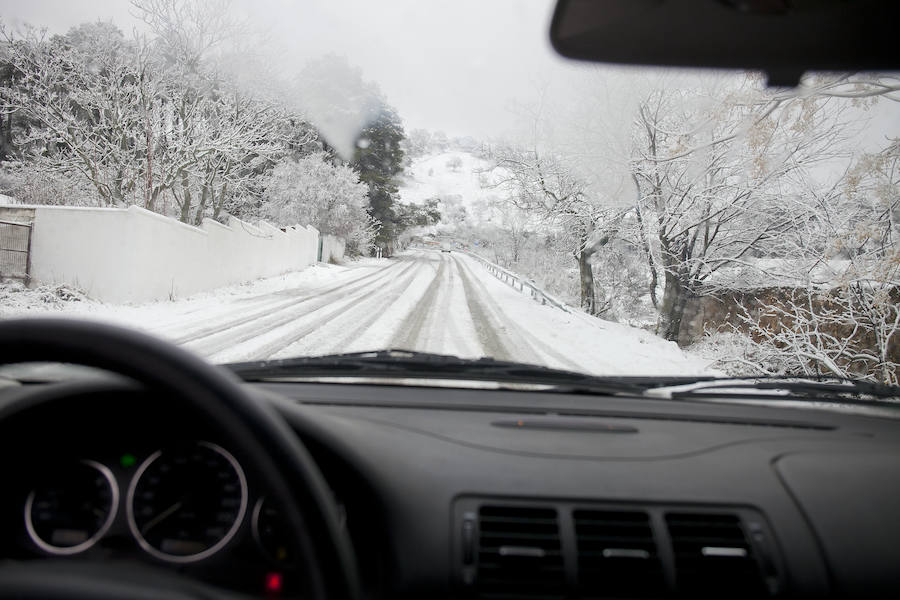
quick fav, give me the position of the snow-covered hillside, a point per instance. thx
(455, 178)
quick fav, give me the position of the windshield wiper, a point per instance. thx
(424, 365)
(782, 388)
(405, 364)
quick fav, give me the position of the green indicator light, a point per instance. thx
(127, 460)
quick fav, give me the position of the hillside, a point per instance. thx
(469, 183)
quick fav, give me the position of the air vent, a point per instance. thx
(519, 553)
(617, 555)
(713, 556)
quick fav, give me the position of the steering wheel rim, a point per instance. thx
(282, 462)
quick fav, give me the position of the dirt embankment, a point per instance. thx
(722, 312)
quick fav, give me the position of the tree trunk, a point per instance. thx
(154, 195)
(586, 276)
(654, 279)
(220, 203)
(675, 299)
(645, 242)
(5, 137)
(149, 195)
(201, 208)
(185, 199)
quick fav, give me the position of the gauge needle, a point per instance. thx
(161, 516)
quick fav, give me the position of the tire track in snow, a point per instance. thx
(409, 332)
(443, 334)
(284, 341)
(526, 338)
(373, 313)
(486, 326)
(231, 335)
(271, 303)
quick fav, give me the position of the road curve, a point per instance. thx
(425, 300)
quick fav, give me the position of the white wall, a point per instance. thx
(332, 248)
(134, 255)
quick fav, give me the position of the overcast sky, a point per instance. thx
(455, 65)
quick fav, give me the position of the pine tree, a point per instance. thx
(379, 159)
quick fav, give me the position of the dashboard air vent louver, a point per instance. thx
(617, 555)
(713, 556)
(519, 554)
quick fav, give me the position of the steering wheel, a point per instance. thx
(269, 447)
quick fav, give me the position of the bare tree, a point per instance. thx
(213, 138)
(545, 186)
(84, 91)
(846, 323)
(709, 167)
(187, 32)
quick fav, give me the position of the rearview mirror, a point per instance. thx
(784, 38)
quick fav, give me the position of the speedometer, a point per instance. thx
(74, 510)
(184, 504)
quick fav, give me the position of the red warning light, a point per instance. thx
(274, 583)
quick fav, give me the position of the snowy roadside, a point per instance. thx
(603, 347)
(155, 317)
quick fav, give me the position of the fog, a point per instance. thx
(467, 67)
(458, 66)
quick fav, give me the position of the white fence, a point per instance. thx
(134, 255)
(332, 248)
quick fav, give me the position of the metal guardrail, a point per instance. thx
(518, 282)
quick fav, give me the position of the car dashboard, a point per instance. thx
(463, 493)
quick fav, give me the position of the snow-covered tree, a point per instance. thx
(313, 191)
(84, 91)
(146, 121)
(711, 167)
(357, 122)
(213, 138)
(546, 186)
(847, 322)
(418, 143)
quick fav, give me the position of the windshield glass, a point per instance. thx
(273, 179)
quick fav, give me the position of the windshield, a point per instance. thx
(272, 179)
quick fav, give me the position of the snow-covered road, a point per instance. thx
(421, 300)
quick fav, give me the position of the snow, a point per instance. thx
(423, 300)
(162, 317)
(431, 301)
(575, 340)
(472, 182)
(785, 272)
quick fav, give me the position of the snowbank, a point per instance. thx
(154, 317)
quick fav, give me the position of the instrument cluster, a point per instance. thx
(179, 504)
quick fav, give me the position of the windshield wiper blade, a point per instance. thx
(789, 388)
(425, 365)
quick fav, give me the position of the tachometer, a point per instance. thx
(184, 504)
(73, 510)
